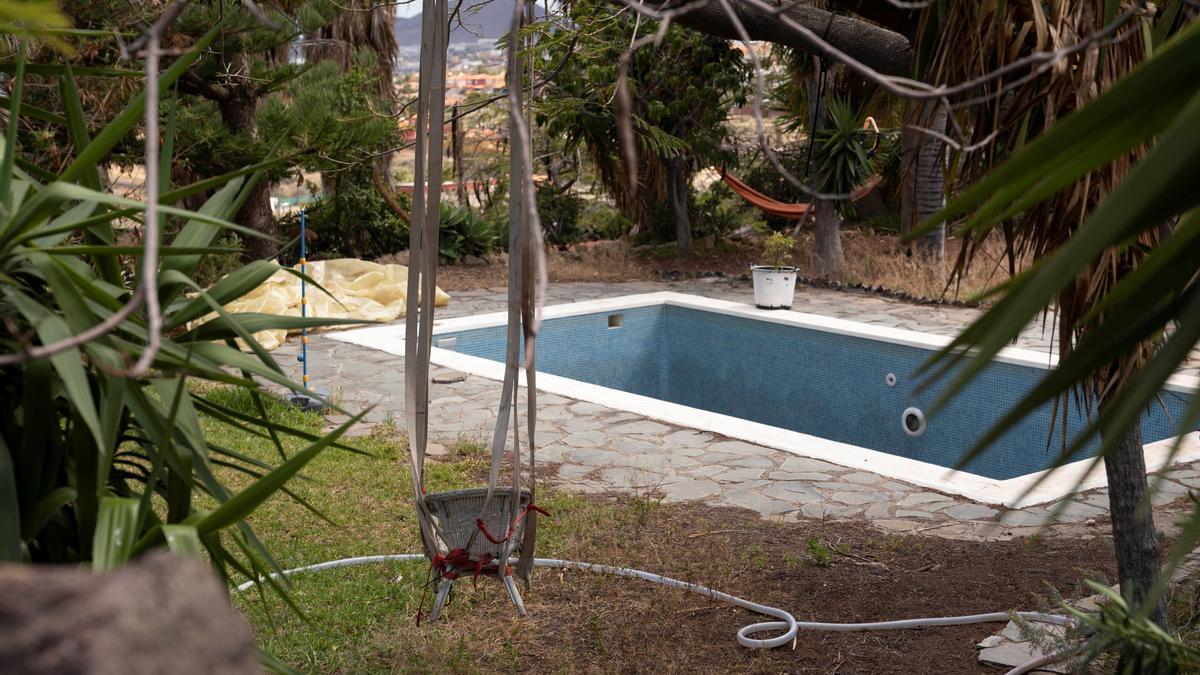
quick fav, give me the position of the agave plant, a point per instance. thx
(98, 462)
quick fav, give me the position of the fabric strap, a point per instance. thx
(423, 246)
(526, 286)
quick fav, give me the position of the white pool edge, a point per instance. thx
(1013, 493)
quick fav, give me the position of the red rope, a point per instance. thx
(511, 528)
(454, 562)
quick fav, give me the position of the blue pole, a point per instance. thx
(303, 295)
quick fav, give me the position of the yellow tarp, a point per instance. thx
(366, 290)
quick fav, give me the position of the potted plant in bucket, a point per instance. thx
(775, 278)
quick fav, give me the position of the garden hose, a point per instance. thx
(786, 622)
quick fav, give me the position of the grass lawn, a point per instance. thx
(362, 619)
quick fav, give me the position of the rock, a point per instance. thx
(1014, 654)
(827, 510)
(755, 502)
(585, 439)
(449, 377)
(857, 498)
(740, 475)
(688, 490)
(801, 475)
(991, 641)
(473, 261)
(1024, 517)
(969, 511)
(878, 510)
(160, 614)
(924, 498)
(640, 427)
(807, 464)
(863, 478)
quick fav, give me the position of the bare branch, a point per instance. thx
(103, 328)
(150, 234)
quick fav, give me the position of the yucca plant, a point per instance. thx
(842, 164)
(842, 159)
(100, 460)
(1106, 200)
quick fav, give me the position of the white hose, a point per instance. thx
(787, 622)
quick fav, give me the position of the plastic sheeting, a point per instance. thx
(360, 290)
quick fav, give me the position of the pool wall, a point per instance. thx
(635, 355)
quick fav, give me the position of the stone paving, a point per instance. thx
(598, 449)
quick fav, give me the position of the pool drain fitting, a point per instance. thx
(913, 422)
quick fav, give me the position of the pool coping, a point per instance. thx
(1021, 491)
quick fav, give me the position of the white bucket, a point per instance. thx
(774, 286)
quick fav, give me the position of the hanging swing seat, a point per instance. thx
(477, 538)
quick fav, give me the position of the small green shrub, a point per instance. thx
(720, 212)
(763, 176)
(778, 250)
(464, 233)
(559, 213)
(602, 221)
(757, 556)
(353, 222)
(818, 553)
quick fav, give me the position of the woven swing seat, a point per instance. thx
(456, 511)
(457, 515)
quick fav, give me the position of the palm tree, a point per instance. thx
(1105, 215)
(361, 24)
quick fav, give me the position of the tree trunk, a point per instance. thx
(456, 149)
(828, 261)
(922, 183)
(677, 193)
(1133, 522)
(240, 116)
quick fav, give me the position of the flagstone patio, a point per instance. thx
(597, 449)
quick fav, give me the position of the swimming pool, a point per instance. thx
(837, 390)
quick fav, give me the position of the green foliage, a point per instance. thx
(97, 463)
(720, 212)
(559, 212)
(762, 175)
(329, 119)
(677, 111)
(778, 250)
(756, 555)
(818, 552)
(842, 159)
(602, 221)
(464, 233)
(353, 222)
(1143, 646)
(1145, 323)
(1162, 292)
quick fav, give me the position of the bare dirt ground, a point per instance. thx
(871, 259)
(584, 623)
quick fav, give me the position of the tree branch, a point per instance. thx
(191, 83)
(884, 50)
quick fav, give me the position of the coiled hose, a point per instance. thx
(786, 623)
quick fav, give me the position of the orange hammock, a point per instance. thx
(775, 207)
